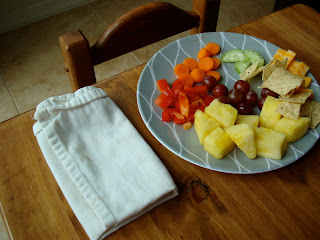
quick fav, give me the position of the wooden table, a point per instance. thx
(281, 204)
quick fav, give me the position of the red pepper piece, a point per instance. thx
(162, 84)
(163, 101)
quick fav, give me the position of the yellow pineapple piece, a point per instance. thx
(218, 143)
(204, 125)
(223, 113)
(243, 136)
(269, 116)
(269, 143)
(293, 129)
(251, 120)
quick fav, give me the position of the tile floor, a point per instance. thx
(31, 65)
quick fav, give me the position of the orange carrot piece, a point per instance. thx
(214, 74)
(187, 79)
(191, 63)
(180, 69)
(203, 53)
(197, 74)
(213, 48)
(216, 62)
(206, 64)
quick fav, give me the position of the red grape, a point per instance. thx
(265, 92)
(219, 90)
(251, 98)
(224, 99)
(235, 96)
(261, 102)
(242, 85)
(210, 82)
(244, 109)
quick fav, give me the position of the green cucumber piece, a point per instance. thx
(241, 66)
(234, 55)
(254, 56)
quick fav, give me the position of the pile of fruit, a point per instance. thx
(223, 119)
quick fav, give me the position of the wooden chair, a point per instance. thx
(139, 27)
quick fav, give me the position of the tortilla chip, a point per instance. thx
(296, 98)
(311, 109)
(248, 73)
(315, 117)
(273, 64)
(289, 110)
(306, 109)
(282, 82)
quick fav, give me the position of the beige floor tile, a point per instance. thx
(239, 12)
(116, 66)
(8, 108)
(110, 10)
(31, 60)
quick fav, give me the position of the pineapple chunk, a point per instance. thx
(251, 120)
(204, 125)
(243, 136)
(223, 113)
(269, 116)
(269, 143)
(293, 129)
(218, 143)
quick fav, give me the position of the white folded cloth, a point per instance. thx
(107, 172)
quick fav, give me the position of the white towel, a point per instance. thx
(107, 172)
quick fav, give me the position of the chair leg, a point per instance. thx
(76, 53)
(209, 11)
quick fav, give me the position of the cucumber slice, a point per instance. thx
(254, 56)
(241, 66)
(234, 55)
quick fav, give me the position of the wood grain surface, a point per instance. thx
(281, 204)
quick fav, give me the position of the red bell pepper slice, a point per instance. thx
(176, 86)
(189, 89)
(184, 105)
(208, 99)
(167, 114)
(163, 101)
(162, 84)
(170, 94)
(202, 90)
(193, 97)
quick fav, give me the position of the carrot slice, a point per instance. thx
(206, 64)
(197, 74)
(191, 63)
(216, 63)
(180, 69)
(203, 53)
(214, 74)
(213, 48)
(187, 79)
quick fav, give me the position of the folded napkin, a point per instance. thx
(107, 172)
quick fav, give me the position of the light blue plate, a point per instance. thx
(185, 144)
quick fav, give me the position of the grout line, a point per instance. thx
(97, 15)
(136, 58)
(5, 83)
(5, 222)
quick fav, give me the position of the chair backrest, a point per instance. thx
(139, 27)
